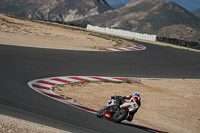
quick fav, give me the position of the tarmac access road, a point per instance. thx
(19, 65)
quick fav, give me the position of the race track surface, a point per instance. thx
(19, 65)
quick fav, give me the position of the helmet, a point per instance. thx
(137, 98)
(136, 95)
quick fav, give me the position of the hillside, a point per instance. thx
(150, 16)
(196, 12)
(54, 10)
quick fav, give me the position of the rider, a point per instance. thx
(135, 98)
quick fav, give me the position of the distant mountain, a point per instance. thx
(118, 3)
(197, 12)
(54, 10)
(190, 5)
(153, 17)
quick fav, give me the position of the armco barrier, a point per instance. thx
(122, 33)
(71, 24)
(77, 25)
(194, 45)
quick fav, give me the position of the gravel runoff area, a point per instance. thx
(51, 35)
(13, 125)
(167, 105)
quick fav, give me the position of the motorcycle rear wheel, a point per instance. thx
(120, 115)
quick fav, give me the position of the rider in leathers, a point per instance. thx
(135, 98)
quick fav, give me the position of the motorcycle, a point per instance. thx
(116, 114)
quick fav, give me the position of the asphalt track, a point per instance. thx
(19, 65)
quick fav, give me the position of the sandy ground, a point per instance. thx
(26, 33)
(167, 105)
(13, 125)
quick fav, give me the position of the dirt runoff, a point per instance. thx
(45, 35)
(14, 125)
(167, 105)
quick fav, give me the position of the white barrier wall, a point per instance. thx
(122, 33)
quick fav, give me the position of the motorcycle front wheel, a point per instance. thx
(120, 115)
(101, 112)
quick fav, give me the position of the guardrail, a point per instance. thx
(71, 24)
(189, 44)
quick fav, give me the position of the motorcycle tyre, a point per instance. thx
(101, 112)
(121, 117)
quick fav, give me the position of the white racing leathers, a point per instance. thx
(131, 105)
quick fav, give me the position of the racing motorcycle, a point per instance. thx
(116, 114)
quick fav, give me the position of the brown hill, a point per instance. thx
(150, 16)
(54, 10)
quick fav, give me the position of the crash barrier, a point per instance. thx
(122, 33)
(77, 25)
(189, 44)
(71, 24)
